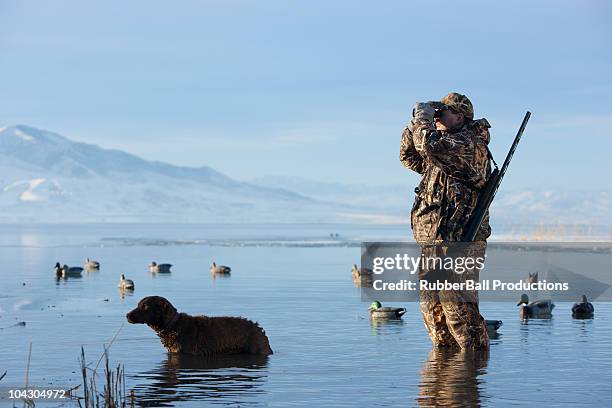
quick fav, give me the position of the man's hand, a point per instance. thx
(440, 125)
(423, 112)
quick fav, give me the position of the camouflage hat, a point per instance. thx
(459, 103)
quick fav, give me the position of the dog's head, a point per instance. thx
(155, 311)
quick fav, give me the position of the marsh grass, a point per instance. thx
(113, 393)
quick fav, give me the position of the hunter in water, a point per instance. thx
(449, 149)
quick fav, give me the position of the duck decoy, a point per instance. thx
(160, 268)
(493, 325)
(532, 278)
(362, 276)
(390, 313)
(539, 309)
(220, 269)
(125, 283)
(583, 309)
(91, 265)
(67, 271)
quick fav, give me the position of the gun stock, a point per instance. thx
(487, 194)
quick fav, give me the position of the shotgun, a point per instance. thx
(485, 198)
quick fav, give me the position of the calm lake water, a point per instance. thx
(295, 281)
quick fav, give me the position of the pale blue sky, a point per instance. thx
(317, 89)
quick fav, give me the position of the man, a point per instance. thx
(449, 149)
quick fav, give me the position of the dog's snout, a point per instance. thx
(132, 316)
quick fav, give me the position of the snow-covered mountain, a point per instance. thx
(45, 177)
(384, 196)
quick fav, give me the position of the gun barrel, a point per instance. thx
(487, 194)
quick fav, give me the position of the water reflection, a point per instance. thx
(125, 292)
(161, 274)
(384, 327)
(65, 279)
(494, 335)
(234, 380)
(584, 327)
(544, 327)
(451, 378)
(220, 276)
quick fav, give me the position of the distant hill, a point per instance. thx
(45, 177)
(518, 208)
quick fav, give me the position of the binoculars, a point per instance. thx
(439, 109)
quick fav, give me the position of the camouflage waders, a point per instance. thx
(452, 317)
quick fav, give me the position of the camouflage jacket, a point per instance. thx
(454, 165)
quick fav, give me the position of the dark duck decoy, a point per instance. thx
(159, 268)
(539, 309)
(67, 271)
(583, 310)
(388, 313)
(493, 325)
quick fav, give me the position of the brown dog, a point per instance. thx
(199, 335)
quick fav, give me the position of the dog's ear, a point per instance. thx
(144, 302)
(168, 307)
(168, 312)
